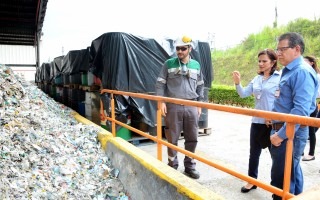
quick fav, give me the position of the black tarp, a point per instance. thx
(206, 63)
(45, 72)
(37, 77)
(93, 50)
(56, 72)
(75, 61)
(84, 60)
(41, 71)
(127, 62)
(71, 67)
(57, 66)
(131, 63)
(51, 75)
(71, 64)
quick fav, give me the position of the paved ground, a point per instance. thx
(229, 144)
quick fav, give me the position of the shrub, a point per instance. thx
(227, 95)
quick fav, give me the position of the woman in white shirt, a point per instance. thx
(264, 88)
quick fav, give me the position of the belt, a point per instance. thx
(277, 126)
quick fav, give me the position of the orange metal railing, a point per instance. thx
(291, 120)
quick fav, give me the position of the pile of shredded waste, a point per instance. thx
(45, 153)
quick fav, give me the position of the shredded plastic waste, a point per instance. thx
(45, 153)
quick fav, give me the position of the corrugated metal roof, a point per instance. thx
(21, 21)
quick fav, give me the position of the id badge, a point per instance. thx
(277, 93)
(258, 96)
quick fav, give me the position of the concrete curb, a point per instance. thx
(145, 177)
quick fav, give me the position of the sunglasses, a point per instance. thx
(181, 48)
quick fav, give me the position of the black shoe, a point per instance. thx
(192, 173)
(246, 190)
(308, 159)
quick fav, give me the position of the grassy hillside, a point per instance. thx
(243, 57)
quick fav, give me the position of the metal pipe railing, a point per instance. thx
(291, 120)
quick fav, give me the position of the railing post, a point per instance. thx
(103, 116)
(159, 131)
(113, 124)
(288, 159)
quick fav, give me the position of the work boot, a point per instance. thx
(192, 173)
(173, 166)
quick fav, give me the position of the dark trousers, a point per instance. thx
(258, 135)
(182, 118)
(312, 134)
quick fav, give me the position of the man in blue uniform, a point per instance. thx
(298, 90)
(181, 77)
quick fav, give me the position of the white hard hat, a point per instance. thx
(183, 41)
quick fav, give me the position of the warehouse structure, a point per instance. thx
(21, 25)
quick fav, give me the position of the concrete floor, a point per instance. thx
(228, 143)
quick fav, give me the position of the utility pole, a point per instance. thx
(211, 37)
(275, 23)
(62, 51)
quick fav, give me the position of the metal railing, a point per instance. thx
(290, 120)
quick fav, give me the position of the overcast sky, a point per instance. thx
(73, 24)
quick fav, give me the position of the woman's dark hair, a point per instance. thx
(314, 61)
(273, 57)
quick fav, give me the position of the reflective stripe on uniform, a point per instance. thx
(194, 71)
(200, 83)
(174, 70)
(171, 158)
(161, 80)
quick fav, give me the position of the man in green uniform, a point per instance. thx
(181, 78)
